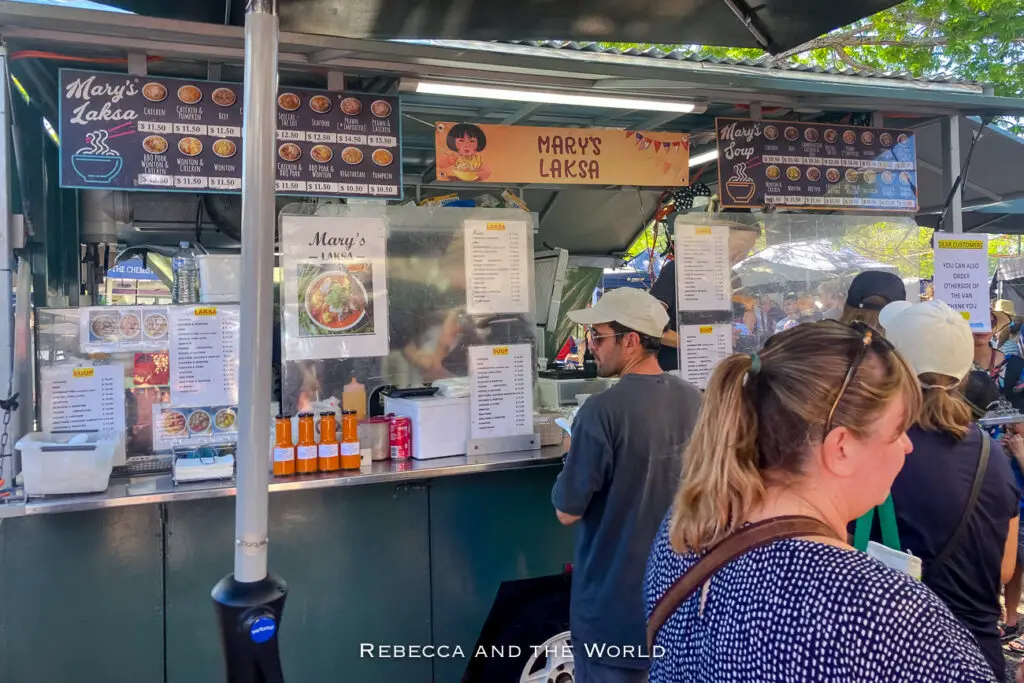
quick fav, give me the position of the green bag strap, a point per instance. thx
(887, 520)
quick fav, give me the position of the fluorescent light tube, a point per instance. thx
(704, 158)
(551, 97)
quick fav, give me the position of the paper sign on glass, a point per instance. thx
(497, 267)
(82, 399)
(961, 277)
(501, 391)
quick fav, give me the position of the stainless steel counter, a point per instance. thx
(150, 489)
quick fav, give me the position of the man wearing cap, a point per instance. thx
(618, 481)
(869, 293)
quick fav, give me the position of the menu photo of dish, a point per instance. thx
(176, 426)
(111, 329)
(335, 299)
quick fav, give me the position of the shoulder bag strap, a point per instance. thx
(736, 544)
(972, 501)
(887, 521)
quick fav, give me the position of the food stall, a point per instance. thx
(394, 289)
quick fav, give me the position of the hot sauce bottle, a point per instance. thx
(329, 453)
(284, 451)
(351, 458)
(306, 451)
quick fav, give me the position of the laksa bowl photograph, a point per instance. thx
(335, 299)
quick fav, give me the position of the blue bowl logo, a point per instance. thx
(96, 168)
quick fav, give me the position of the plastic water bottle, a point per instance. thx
(185, 275)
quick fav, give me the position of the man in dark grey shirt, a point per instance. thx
(619, 480)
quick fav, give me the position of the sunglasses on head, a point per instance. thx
(870, 338)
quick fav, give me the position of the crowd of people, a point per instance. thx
(833, 507)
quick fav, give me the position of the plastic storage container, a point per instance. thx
(220, 278)
(68, 463)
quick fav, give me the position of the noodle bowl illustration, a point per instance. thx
(739, 185)
(96, 162)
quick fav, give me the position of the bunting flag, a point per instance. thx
(646, 142)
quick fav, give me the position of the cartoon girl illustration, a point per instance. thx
(464, 159)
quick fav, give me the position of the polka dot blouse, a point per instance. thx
(802, 611)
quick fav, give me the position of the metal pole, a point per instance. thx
(7, 470)
(258, 223)
(951, 169)
(250, 602)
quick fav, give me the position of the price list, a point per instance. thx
(501, 391)
(144, 132)
(204, 355)
(703, 347)
(703, 278)
(83, 399)
(497, 267)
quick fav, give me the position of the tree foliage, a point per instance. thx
(977, 40)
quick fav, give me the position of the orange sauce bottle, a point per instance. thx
(351, 458)
(284, 451)
(306, 450)
(329, 453)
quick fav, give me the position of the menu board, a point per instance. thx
(501, 391)
(816, 166)
(961, 278)
(204, 355)
(703, 347)
(82, 399)
(148, 133)
(497, 267)
(115, 329)
(703, 277)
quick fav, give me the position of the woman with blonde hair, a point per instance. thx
(750, 577)
(955, 500)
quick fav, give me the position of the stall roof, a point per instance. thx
(774, 25)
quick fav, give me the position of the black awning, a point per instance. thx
(775, 25)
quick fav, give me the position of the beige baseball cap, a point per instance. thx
(931, 337)
(630, 307)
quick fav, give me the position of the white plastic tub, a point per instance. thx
(220, 278)
(68, 463)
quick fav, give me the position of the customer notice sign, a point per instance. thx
(961, 277)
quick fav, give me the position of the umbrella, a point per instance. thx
(806, 262)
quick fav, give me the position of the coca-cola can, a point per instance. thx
(400, 433)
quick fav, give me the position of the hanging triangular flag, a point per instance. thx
(657, 146)
(639, 136)
(629, 133)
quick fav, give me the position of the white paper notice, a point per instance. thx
(501, 391)
(335, 287)
(497, 267)
(703, 277)
(703, 348)
(83, 399)
(204, 355)
(961, 277)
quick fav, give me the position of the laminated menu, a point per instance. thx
(116, 329)
(703, 347)
(204, 355)
(151, 133)
(497, 267)
(501, 391)
(82, 399)
(703, 277)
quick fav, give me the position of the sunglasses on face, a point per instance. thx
(594, 339)
(870, 339)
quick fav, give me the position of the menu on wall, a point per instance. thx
(80, 399)
(961, 278)
(816, 166)
(703, 347)
(497, 267)
(334, 287)
(204, 355)
(501, 391)
(703, 277)
(148, 133)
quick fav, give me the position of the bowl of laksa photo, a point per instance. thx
(333, 300)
